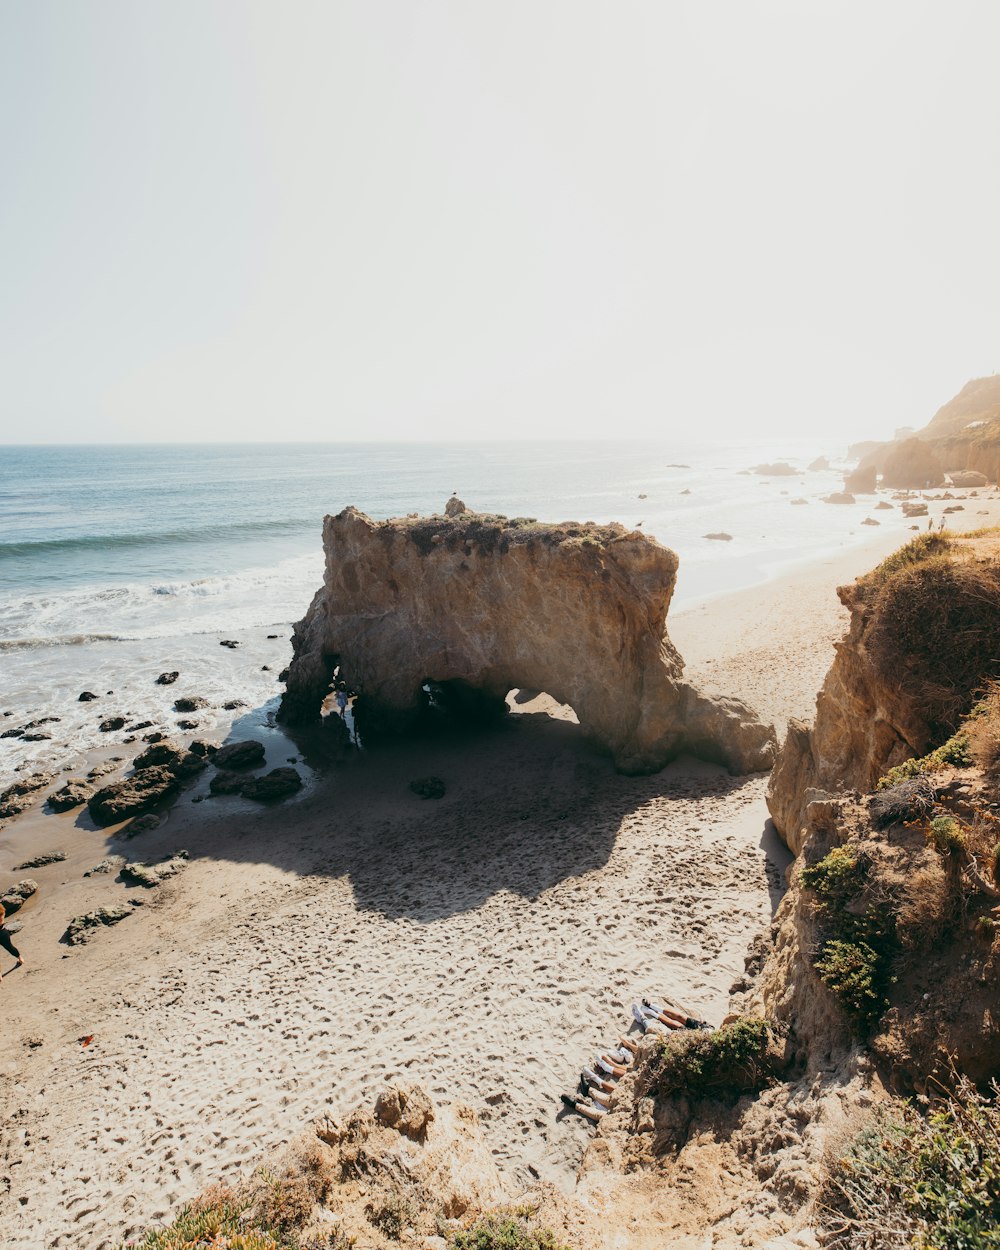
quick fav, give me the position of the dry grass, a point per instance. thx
(983, 731)
(936, 630)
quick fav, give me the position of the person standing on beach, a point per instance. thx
(7, 939)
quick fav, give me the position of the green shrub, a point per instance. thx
(946, 834)
(505, 1232)
(836, 879)
(955, 753)
(731, 1059)
(217, 1220)
(395, 1214)
(854, 972)
(986, 928)
(925, 1182)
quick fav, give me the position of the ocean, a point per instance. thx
(119, 562)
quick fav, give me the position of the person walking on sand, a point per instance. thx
(342, 699)
(7, 939)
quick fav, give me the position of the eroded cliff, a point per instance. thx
(924, 634)
(473, 606)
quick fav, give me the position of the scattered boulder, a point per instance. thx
(112, 724)
(143, 724)
(839, 496)
(42, 861)
(883, 505)
(455, 507)
(721, 537)
(776, 470)
(798, 501)
(861, 481)
(110, 864)
(408, 1110)
(870, 521)
(233, 704)
(167, 679)
(37, 735)
(22, 793)
(12, 733)
(105, 767)
(81, 928)
(967, 478)
(198, 747)
(190, 703)
(276, 784)
(914, 509)
(819, 465)
(156, 736)
(246, 754)
(132, 795)
(911, 465)
(74, 793)
(141, 824)
(231, 643)
(272, 635)
(85, 696)
(187, 725)
(227, 783)
(15, 895)
(955, 507)
(152, 875)
(181, 762)
(428, 787)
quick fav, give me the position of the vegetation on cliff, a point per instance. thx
(929, 1180)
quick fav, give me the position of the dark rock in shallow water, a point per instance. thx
(839, 496)
(187, 725)
(143, 724)
(22, 793)
(276, 784)
(167, 679)
(74, 793)
(190, 703)
(246, 754)
(42, 861)
(85, 696)
(112, 724)
(180, 761)
(132, 795)
(81, 928)
(720, 537)
(428, 787)
(202, 748)
(42, 720)
(233, 704)
(870, 521)
(156, 736)
(227, 783)
(231, 643)
(12, 733)
(272, 635)
(37, 735)
(102, 770)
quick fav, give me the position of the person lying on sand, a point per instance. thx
(589, 1109)
(590, 1078)
(7, 939)
(596, 1092)
(672, 1016)
(616, 1061)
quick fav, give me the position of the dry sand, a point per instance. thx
(482, 944)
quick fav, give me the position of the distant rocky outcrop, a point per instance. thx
(477, 605)
(911, 465)
(861, 481)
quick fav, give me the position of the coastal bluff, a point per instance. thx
(470, 606)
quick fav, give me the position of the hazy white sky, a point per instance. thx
(243, 219)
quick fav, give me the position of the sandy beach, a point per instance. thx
(482, 944)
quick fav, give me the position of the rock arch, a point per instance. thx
(491, 604)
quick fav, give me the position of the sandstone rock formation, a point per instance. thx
(911, 465)
(478, 605)
(861, 481)
(924, 632)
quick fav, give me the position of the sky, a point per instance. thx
(482, 219)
